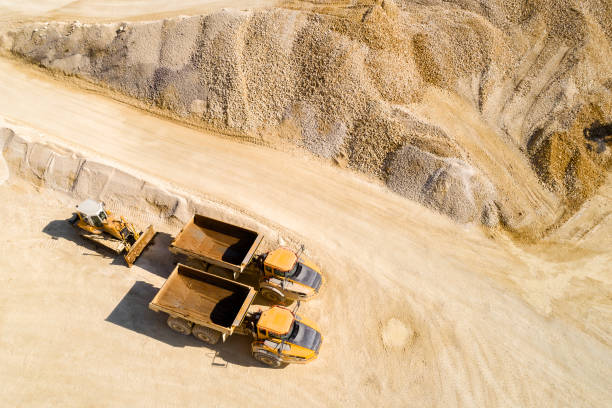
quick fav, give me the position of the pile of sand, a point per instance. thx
(476, 109)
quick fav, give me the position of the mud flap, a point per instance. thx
(139, 245)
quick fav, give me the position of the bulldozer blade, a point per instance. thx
(139, 245)
(109, 243)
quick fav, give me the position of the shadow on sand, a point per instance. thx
(599, 134)
(156, 257)
(133, 313)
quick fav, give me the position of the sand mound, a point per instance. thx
(396, 334)
(448, 185)
(570, 161)
(361, 84)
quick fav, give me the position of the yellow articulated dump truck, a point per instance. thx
(212, 308)
(94, 222)
(284, 275)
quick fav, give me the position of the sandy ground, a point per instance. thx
(418, 310)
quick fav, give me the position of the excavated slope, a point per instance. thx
(490, 111)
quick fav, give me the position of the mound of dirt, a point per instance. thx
(449, 185)
(476, 109)
(570, 161)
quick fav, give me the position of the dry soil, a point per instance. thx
(419, 310)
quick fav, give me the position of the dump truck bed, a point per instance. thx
(216, 242)
(203, 298)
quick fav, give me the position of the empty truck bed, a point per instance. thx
(217, 242)
(203, 298)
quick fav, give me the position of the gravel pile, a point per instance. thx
(477, 109)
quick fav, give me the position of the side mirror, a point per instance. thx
(302, 248)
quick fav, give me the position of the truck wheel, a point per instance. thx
(268, 359)
(273, 295)
(179, 325)
(206, 334)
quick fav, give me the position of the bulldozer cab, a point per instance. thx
(92, 212)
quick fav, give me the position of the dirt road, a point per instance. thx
(418, 311)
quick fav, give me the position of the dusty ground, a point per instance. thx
(418, 311)
(411, 315)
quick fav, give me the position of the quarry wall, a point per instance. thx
(49, 165)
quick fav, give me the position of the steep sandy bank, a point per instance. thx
(479, 111)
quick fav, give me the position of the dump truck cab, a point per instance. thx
(284, 272)
(281, 337)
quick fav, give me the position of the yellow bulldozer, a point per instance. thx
(94, 222)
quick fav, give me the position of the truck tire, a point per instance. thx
(268, 359)
(206, 334)
(273, 295)
(180, 325)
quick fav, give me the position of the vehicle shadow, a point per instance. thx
(57, 229)
(133, 313)
(155, 258)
